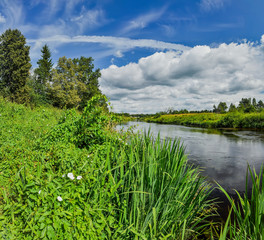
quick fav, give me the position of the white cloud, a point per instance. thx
(142, 21)
(119, 54)
(13, 12)
(122, 44)
(262, 40)
(112, 46)
(2, 18)
(208, 5)
(196, 79)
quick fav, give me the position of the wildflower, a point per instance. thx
(59, 198)
(70, 175)
(63, 175)
(88, 156)
(39, 191)
(79, 177)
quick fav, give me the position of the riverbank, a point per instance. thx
(65, 174)
(212, 120)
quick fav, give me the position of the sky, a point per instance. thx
(154, 55)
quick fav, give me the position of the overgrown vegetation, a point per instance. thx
(212, 120)
(70, 174)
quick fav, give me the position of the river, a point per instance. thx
(222, 155)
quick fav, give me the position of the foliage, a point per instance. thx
(221, 108)
(128, 187)
(190, 119)
(15, 66)
(43, 73)
(73, 83)
(213, 120)
(86, 75)
(90, 128)
(248, 221)
(64, 88)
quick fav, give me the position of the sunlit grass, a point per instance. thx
(248, 212)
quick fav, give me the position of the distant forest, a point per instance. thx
(70, 84)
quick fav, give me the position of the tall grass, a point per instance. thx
(248, 213)
(158, 195)
(128, 188)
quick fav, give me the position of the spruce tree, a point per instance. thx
(14, 65)
(43, 74)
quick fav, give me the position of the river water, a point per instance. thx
(223, 155)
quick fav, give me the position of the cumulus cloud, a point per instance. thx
(196, 78)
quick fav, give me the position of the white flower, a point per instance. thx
(59, 198)
(70, 175)
(63, 175)
(79, 177)
(39, 191)
(88, 156)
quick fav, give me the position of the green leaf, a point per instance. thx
(50, 232)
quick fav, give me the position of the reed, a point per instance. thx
(248, 220)
(158, 195)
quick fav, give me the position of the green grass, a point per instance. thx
(129, 186)
(132, 186)
(213, 120)
(248, 212)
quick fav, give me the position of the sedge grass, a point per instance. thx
(158, 195)
(248, 222)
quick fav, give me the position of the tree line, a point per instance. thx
(245, 105)
(70, 84)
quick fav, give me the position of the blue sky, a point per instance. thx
(153, 55)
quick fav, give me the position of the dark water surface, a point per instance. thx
(223, 155)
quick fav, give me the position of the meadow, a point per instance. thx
(66, 174)
(237, 119)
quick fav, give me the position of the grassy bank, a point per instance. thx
(66, 175)
(212, 120)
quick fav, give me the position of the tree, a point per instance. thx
(14, 65)
(232, 108)
(260, 105)
(244, 105)
(43, 74)
(74, 82)
(221, 108)
(65, 86)
(85, 74)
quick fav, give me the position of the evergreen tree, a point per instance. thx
(43, 72)
(14, 65)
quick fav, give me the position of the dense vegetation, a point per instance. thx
(70, 84)
(248, 114)
(65, 174)
(212, 120)
(70, 175)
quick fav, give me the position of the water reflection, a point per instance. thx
(223, 155)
